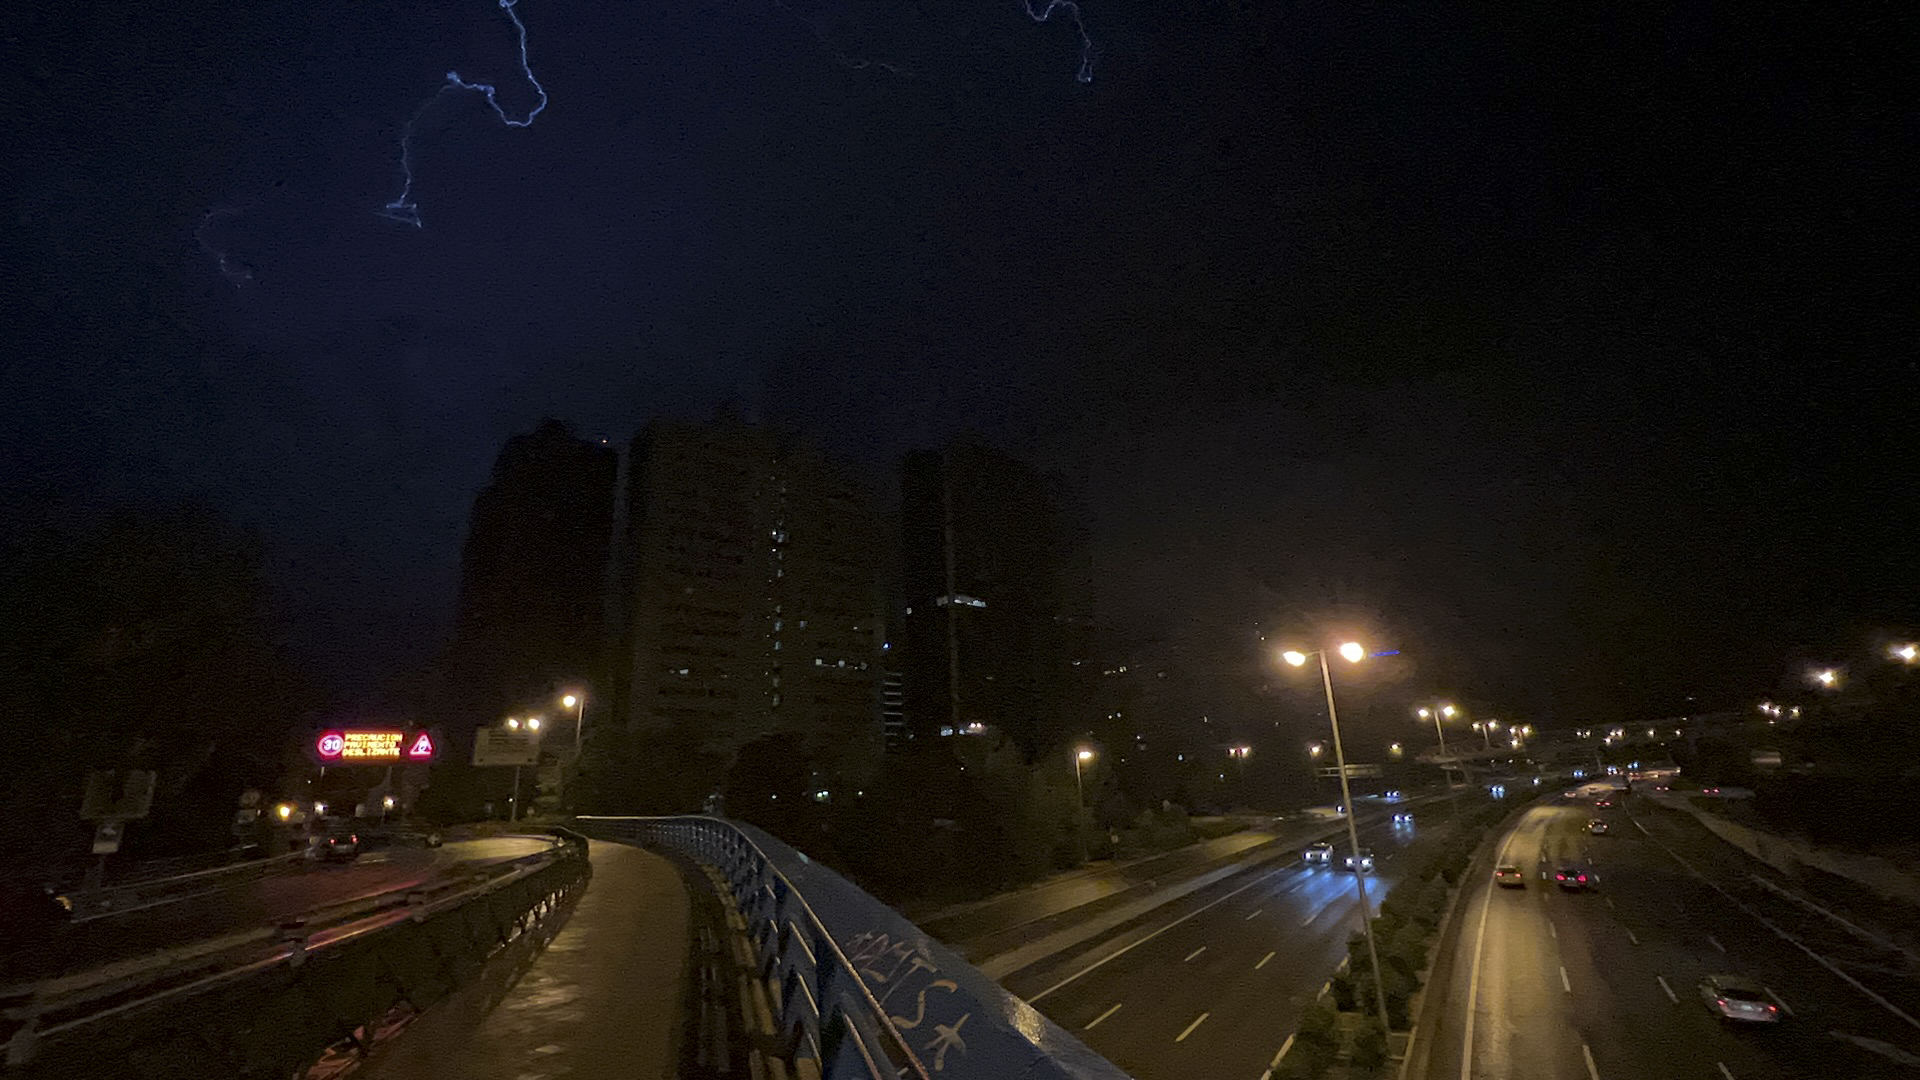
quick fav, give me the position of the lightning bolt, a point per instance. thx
(238, 273)
(1087, 51)
(403, 208)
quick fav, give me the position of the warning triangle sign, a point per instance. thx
(422, 747)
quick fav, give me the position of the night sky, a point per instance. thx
(1570, 351)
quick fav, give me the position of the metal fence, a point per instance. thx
(858, 989)
(278, 1004)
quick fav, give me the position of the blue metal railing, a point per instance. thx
(862, 991)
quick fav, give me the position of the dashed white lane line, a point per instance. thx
(1631, 938)
(1715, 942)
(1724, 1071)
(1593, 1071)
(1123, 950)
(1193, 954)
(1671, 996)
(1553, 932)
(1197, 1021)
(1263, 962)
(1102, 1016)
(1564, 984)
(1254, 914)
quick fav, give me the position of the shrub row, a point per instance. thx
(1410, 916)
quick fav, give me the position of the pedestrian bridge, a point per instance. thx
(853, 989)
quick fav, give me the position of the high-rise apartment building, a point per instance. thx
(987, 630)
(530, 613)
(755, 589)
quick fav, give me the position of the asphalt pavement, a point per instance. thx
(234, 907)
(1213, 984)
(1602, 984)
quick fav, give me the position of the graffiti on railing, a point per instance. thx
(880, 958)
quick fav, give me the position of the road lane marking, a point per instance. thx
(1671, 996)
(1642, 828)
(1473, 974)
(1102, 1016)
(1129, 948)
(1564, 984)
(1553, 932)
(1253, 915)
(1197, 1021)
(1896, 1010)
(1715, 942)
(1593, 1072)
(1284, 1047)
(1631, 938)
(1784, 1007)
(1193, 954)
(1609, 901)
(1263, 962)
(1724, 1071)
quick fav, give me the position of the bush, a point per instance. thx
(1306, 1061)
(1342, 992)
(1319, 1025)
(1370, 1044)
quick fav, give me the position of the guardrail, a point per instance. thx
(857, 988)
(275, 1000)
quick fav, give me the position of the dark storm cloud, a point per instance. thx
(1547, 335)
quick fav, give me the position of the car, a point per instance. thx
(1361, 861)
(1598, 827)
(1604, 804)
(1403, 817)
(1321, 853)
(1393, 795)
(1732, 997)
(335, 840)
(1509, 876)
(1573, 879)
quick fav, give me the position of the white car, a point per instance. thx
(1734, 998)
(1320, 854)
(1361, 861)
(1403, 817)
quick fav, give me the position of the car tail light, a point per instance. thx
(1773, 1008)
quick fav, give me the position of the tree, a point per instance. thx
(138, 641)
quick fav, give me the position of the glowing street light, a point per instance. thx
(1906, 654)
(1353, 652)
(1314, 750)
(1826, 677)
(1080, 757)
(577, 701)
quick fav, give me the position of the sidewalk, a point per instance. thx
(607, 999)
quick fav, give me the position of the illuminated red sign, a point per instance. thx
(422, 748)
(353, 746)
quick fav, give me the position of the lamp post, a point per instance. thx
(578, 703)
(1436, 712)
(1353, 653)
(514, 723)
(1081, 755)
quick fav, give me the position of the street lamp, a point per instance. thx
(1436, 712)
(514, 723)
(1353, 653)
(578, 703)
(1826, 677)
(1906, 654)
(1080, 757)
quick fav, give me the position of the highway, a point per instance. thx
(237, 906)
(1213, 984)
(1603, 985)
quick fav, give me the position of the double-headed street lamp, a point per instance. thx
(514, 723)
(1352, 652)
(1436, 712)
